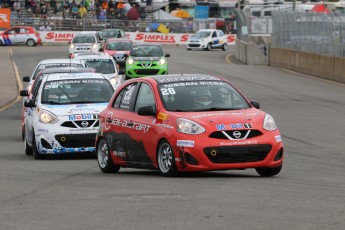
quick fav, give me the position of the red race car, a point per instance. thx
(186, 123)
(117, 47)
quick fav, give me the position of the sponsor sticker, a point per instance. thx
(278, 138)
(185, 143)
(221, 127)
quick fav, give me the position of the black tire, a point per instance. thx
(189, 49)
(209, 47)
(35, 151)
(104, 160)
(166, 160)
(30, 42)
(225, 47)
(0, 43)
(28, 149)
(268, 172)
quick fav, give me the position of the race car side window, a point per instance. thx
(125, 97)
(214, 35)
(145, 97)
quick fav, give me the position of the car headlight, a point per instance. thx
(162, 61)
(130, 61)
(72, 46)
(47, 117)
(94, 46)
(269, 123)
(188, 127)
(113, 80)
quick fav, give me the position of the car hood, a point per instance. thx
(75, 109)
(146, 58)
(231, 119)
(119, 52)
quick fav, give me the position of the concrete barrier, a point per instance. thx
(326, 67)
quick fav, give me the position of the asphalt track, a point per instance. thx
(72, 193)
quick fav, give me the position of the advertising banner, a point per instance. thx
(5, 17)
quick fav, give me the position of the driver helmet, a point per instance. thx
(203, 97)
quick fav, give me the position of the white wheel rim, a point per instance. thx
(165, 158)
(103, 154)
(31, 42)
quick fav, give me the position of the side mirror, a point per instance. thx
(26, 79)
(24, 93)
(121, 71)
(255, 104)
(29, 103)
(167, 55)
(125, 55)
(146, 111)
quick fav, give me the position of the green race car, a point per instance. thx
(146, 60)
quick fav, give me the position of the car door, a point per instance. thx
(32, 113)
(118, 126)
(140, 143)
(23, 36)
(215, 39)
(13, 36)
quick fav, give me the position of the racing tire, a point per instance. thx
(225, 47)
(30, 42)
(35, 151)
(209, 47)
(166, 160)
(104, 160)
(189, 49)
(0, 43)
(268, 172)
(28, 149)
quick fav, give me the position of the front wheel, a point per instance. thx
(166, 160)
(31, 42)
(225, 47)
(268, 172)
(28, 149)
(0, 43)
(209, 47)
(105, 162)
(35, 151)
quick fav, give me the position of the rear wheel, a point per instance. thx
(225, 47)
(31, 42)
(166, 160)
(105, 162)
(268, 172)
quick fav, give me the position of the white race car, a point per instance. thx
(207, 39)
(104, 64)
(86, 41)
(62, 115)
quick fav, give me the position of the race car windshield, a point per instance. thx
(54, 65)
(202, 34)
(146, 51)
(104, 66)
(76, 91)
(84, 39)
(193, 96)
(119, 46)
(111, 34)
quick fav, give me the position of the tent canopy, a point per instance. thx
(162, 15)
(180, 13)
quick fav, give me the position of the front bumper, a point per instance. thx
(136, 70)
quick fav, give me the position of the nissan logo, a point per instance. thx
(237, 134)
(85, 124)
(146, 64)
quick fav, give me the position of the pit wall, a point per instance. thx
(326, 67)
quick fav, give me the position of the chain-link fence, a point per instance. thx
(310, 32)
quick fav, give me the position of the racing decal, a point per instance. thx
(278, 138)
(220, 127)
(127, 124)
(165, 126)
(6, 39)
(119, 151)
(185, 143)
(215, 42)
(162, 116)
(238, 143)
(188, 78)
(79, 117)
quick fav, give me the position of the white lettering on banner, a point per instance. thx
(66, 36)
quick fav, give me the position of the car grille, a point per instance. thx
(80, 124)
(76, 140)
(146, 64)
(146, 71)
(235, 134)
(117, 58)
(237, 154)
(83, 48)
(193, 45)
